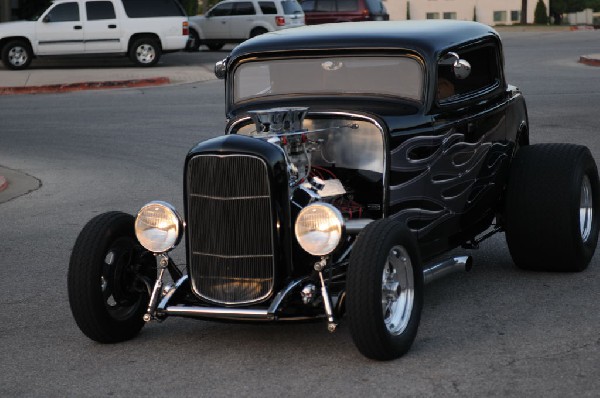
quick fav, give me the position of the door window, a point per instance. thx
(221, 10)
(98, 10)
(347, 5)
(267, 7)
(243, 8)
(66, 12)
(152, 8)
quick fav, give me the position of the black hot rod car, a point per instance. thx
(355, 157)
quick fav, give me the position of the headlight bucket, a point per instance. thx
(319, 228)
(158, 227)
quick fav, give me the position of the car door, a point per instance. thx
(60, 30)
(467, 176)
(216, 23)
(102, 30)
(243, 17)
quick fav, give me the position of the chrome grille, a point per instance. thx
(230, 228)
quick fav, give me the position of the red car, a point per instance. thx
(326, 11)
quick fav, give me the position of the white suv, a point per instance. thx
(141, 29)
(233, 21)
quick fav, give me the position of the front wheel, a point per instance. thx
(109, 277)
(552, 207)
(384, 295)
(16, 55)
(145, 51)
(194, 41)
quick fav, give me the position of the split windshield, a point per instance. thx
(398, 76)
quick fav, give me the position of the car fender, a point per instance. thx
(18, 30)
(195, 23)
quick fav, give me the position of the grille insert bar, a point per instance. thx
(230, 229)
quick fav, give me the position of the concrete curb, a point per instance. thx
(63, 88)
(592, 60)
(3, 183)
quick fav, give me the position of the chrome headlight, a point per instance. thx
(158, 227)
(319, 228)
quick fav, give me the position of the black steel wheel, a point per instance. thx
(552, 208)
(108, 280)
(215, 46)
(16, 55)
(145, 51)
(384, 293)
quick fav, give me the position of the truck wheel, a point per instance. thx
(552, 207)
(108, 277)
(257, 32)
(145, 51)
(215, 46)
(384, 292)
(194, 42)
(16, 55)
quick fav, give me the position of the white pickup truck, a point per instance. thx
(140, 29)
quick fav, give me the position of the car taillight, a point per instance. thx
(365, 14)
(280, 21)
(186, 29)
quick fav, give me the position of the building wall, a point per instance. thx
(490, 12)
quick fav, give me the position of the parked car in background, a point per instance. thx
(233, 21)
(358, 159)
(140, 29)
(326, 11)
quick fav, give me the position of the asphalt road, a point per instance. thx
(496, 331)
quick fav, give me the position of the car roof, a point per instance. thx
(428, 38)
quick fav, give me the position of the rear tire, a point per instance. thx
(16, 55)
(384, 293)
(215, 46)
(257, 32)
(107, 296)
(145, 52)
(552, 208)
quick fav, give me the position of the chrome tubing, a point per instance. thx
(435, 271)
(219, 313)
(354, 227)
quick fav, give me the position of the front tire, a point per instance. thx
(384, 295)
(552, 208)
(145, 52)
(17, 55)
(194, 42)
(109, 273)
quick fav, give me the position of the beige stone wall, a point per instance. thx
(490, 12)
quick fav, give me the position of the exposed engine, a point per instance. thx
(309, 182)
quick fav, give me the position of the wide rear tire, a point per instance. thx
(552, 208)
(384, 290)
(107, 292)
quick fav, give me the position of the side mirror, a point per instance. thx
(221, 69)
(460, 67)
(46, 19)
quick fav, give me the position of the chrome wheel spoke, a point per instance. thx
(397, 290)
(585, 209)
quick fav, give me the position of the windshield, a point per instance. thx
(395, 76)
